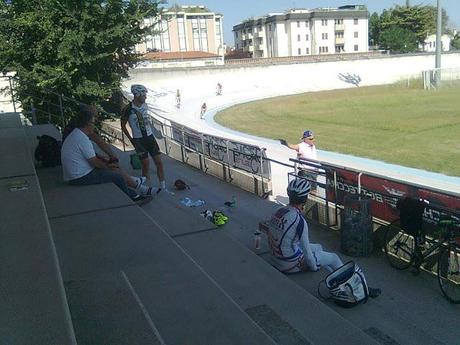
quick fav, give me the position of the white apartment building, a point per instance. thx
(430, 43)
(185, 29)
(305, 32)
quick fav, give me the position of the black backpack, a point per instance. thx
(48, 152)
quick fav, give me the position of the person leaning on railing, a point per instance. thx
(306, 149)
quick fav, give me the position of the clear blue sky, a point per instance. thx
(235, 11)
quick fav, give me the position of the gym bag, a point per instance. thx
(135, 161)
(48, 152)
(346, 285)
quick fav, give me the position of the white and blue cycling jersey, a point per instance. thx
(289, 242)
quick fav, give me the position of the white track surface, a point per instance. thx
(243, 84)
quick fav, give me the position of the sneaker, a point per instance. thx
(374, 292)
(141, 199)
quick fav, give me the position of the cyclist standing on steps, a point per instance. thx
(136, 114)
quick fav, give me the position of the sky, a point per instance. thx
(235, 11)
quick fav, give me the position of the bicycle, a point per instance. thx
(403, 249)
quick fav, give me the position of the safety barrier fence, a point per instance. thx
(334, 182)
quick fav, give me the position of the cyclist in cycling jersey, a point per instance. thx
(289, 241)
(288, 236)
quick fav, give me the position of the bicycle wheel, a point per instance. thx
(399, 247)
(449, 273)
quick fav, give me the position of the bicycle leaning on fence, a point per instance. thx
(406, 246)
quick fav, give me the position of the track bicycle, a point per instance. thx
(404, 250)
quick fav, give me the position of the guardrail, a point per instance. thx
(250, 159)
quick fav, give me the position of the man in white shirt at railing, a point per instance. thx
(306, 149)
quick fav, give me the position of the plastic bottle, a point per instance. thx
(257, 240)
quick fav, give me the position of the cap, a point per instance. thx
(308, 134)
(138, 89)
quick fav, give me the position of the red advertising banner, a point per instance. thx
(385, 193)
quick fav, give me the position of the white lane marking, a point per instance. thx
(144, 310)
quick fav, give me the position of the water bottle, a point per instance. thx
(257, 240)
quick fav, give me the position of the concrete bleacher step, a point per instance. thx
(127, 281)
(288, 313)
(118, 265)
(33, 305)
(278, 305)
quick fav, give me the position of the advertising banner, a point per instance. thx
(236, 154)
(385, 193)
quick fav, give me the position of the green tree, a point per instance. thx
(80, 48)
(421, 20)
(398, 40)
(374, 29)
(456, 42)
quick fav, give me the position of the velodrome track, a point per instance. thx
(243, 84)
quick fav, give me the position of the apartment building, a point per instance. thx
(305, 32)
(184, 29)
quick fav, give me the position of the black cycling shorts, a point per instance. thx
(145, 146)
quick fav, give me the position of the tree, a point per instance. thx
(80, 48)
(374, 29)
(398, 40)
(456, 42)
(421, 20)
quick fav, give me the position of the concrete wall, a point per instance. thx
(254, 82)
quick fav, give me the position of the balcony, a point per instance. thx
(340, 40)
(339, 27)
(259, 34)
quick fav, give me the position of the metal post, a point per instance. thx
(438, 44)
(61, 110)
(12, 94)
(123, 141)
(33, 112)
(262, 150)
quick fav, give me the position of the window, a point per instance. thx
(338, 21)
(356, 48)
(306, 37)
(356, 34)
(323, 50)
(181, 34)
(269, 27)
(324, 36)
(355, 21)
(339, 34)
(323, 22)
(339, 48)
(299, 51)
(298, 38)
(298, 24)
(307, 51)
(236, 34)
(306, 24)
(219, 33)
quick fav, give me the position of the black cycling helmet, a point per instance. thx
(298, 190)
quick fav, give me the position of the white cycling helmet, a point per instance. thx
(298, 190)
(138, 90)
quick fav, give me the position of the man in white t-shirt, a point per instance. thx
(141, 136)
(81, 165)
(306, 149)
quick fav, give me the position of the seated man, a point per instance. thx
(289, 241)
(81, 166)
